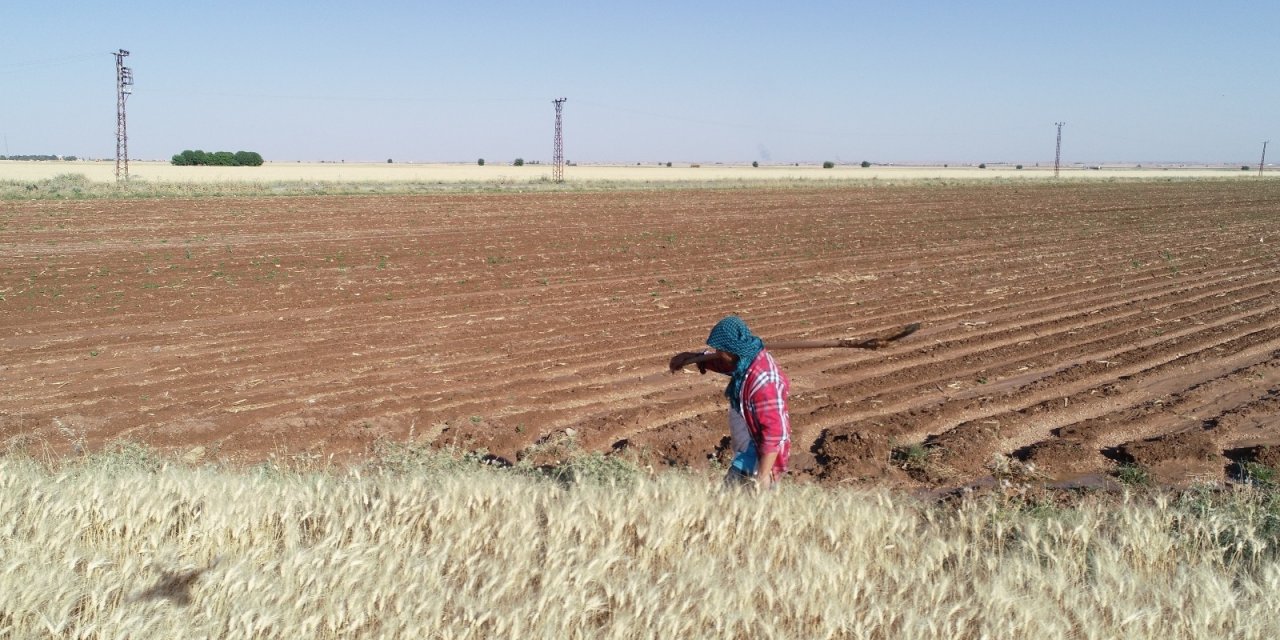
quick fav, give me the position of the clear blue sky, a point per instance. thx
(648, 81)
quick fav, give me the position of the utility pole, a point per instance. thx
(1264, 157)
(557, 152)
(124, 87)
(1057, 152)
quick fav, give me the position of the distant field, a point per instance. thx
(163, 172)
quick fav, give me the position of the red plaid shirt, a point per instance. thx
(764, 405)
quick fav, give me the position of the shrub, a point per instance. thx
(1244, 167)
(1018, 167)
(865, 164)
(1133, 475)
(982, 166)
(828, 164)
(1256, 473)
(668, 164)
(388, 160)
(519, 162)
(480, 162)
(754, 163)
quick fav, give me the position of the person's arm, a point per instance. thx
(710, 359)
(685, 358)
(764, 469)
(769, 408)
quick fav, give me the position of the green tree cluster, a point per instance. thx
(198, 157)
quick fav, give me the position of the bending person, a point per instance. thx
(759, 423)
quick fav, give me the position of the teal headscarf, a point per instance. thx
(731, 334)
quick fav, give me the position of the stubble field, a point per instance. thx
(1080, 327)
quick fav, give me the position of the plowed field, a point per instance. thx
(1074, 326)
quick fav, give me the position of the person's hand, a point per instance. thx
(764, 470)
(684, 358)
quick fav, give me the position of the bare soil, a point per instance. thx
(1075, 327)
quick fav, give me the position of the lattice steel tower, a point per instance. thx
(557, 152)
(1057, 151)
(124, 87)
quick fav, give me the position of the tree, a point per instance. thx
(982, 166)
(865, 164)
(189, 158)
(37, 157)
(1018, 167)
(222, 159)
(519, 162)
(480, 162)
(251, 159)
(754, 163)
(828, 164)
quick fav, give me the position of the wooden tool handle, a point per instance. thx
(874, 342)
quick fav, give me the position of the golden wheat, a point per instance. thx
(95, 551)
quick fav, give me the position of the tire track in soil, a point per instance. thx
(1098, 363)
(910, 380)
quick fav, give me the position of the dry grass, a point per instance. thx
(126, 546)
(77, 186)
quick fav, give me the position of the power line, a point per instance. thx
(124, 88)
(1057, 151)
(557, 151)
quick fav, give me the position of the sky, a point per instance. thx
(655, 81)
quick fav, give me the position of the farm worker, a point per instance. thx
(759, 424)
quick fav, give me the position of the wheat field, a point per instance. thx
(127, 546)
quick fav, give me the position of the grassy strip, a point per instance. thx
(77, 187)
(419, 543)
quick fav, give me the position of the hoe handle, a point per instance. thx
(875, 342)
